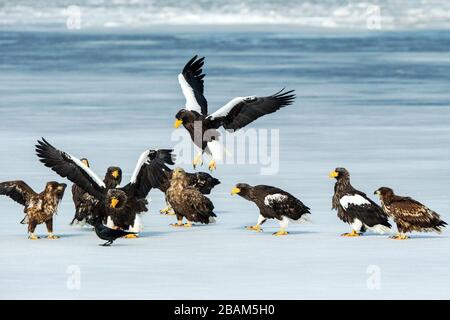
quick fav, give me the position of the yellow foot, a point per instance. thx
(52, 237)
(197, 160)
(131, 236)
(400, 237)
(177, 225)
(33, 237)
(187, 225)
(351, 234)
(212, 165)
(256, 228)
(167, 211)
(281, 233)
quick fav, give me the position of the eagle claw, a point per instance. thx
(254, 228)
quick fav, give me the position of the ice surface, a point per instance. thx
(377, 104)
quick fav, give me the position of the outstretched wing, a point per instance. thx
(241, 111)
(191, 82)
(19, 191)
(70, 167)
(150, 171)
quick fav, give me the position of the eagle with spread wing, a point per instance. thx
(235, 115)
(273, 203)
(188, 202)
(409, 214)
(85, 204)
(39, 208)
(121, 205)
(356, 208)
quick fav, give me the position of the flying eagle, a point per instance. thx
(188, 202)
(409, 214)
(85, 204)
(39, 208)
(201, 181)
(355, 208)
(122, 205)
(235, 115)
(273, 203)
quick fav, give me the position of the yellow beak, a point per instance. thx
(114, 202)
(334, 174)
(177, 123)
(115, 174)
(235, 191)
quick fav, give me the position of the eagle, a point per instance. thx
(188, 202)
(121, 205)
(85, 203)
(355, 208)
(273, 203)
(39, 208)
(202, 181)
(233, 116)
(409, 214)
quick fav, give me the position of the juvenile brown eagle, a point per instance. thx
(201, 181)
(187, 201)
(235, 115)
(273, 203)
(122, 205)
(409, 214)
(39, 208)
(85, 204)
(355, 208)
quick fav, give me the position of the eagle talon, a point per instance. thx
(167, 211)
(351, 234)
(187, 225)
(52, 237)
(256, 228)
(33, 237)
(399, 237)
(212, 165)
(131, 236)
(282, 232)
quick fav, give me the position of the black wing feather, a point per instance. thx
(63, 165)
(251, 109)
(19, 191)
(193, 74)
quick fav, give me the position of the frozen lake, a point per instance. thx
(375, 103)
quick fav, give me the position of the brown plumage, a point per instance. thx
(39, 208)
(409, 214)
(187, 201)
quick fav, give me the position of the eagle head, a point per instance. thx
(56, 188)
(116, 199)
(114, 174)
(339, 173)
(241, 188)
(185, 116)
(384, 192)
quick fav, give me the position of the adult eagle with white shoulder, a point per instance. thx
(355, 208)
(235, 115)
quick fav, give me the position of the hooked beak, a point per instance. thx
(114, 202)
(333, 174)
(177, 123)
(115, 174)
(235, 191)
(378, 193)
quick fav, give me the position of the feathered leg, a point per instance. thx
(283, 226)
(31, 227)
(49, 224)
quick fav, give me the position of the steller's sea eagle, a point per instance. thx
(273, 203)
(355, 208)
(121, 205)
(235, 115)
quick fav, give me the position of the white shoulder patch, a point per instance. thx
(355, 199)
(273, 198)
